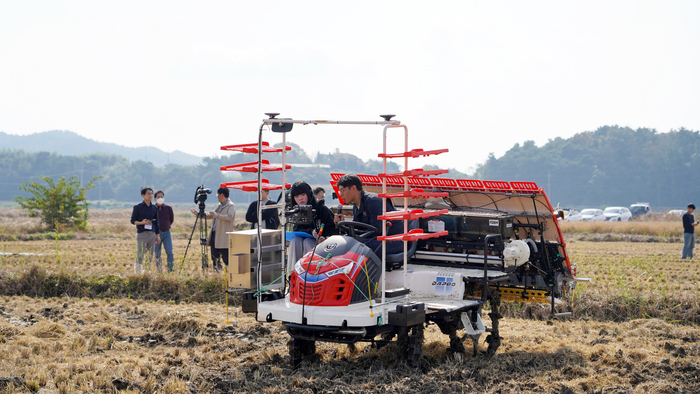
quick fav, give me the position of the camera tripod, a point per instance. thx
(202, 219)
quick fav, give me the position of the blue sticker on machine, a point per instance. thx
(443, 285)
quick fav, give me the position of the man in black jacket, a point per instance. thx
(270, 216)
(367, 207)
(689, 225)
(144, 216)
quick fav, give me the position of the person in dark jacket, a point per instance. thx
(302, 194)
(367, 207)
(166, 218)
(145, 217)
(270, 216)
(689, 225)
(320, 193)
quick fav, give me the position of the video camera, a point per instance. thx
(200, 195)
(300, 214)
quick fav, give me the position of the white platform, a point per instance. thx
(357, 315)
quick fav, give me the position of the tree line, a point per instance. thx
(122, 179)
(609, 166)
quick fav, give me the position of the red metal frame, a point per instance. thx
(412, 235)
(466, 185)
(416, 172)
(253, 167)
(411, 215)
(252, 186)
(413, 153)
(253, 148)
(413, 193)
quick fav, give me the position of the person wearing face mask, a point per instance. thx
(166, 217)
(302, 194)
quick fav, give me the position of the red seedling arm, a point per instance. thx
(253, 167)
(253, 148)
(414, 153)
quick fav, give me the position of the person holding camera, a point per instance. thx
(301, 194)
(270, 216)
(145, 217)
(224, 215)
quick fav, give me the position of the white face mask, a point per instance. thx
(160, 200)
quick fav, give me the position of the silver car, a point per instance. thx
(617, 214)
(592, 215)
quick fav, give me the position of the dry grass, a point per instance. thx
(662, 230)
(102, 224)
(162, 347)
(633, 330)
(629, 280)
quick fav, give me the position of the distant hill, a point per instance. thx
(68, 143)
(610, 166)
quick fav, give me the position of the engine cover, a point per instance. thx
(342, 272)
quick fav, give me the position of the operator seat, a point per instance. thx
(395, 260)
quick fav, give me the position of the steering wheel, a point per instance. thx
(357, 230)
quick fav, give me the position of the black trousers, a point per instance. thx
(218, 255)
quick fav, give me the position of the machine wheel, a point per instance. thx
(410, 344)
(385, 339)
(450, 328)
(298, 348)
(619, 219)
(475, 342)
(494, 339)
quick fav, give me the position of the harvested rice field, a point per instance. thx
(76, 320)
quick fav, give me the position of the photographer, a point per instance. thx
(302, 194)
(223, 215)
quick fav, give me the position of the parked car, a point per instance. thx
(617, 214)
(640, 209)
(676, 212)
(571, 215)
(592, 215)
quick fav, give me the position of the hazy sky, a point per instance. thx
(472, 76)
